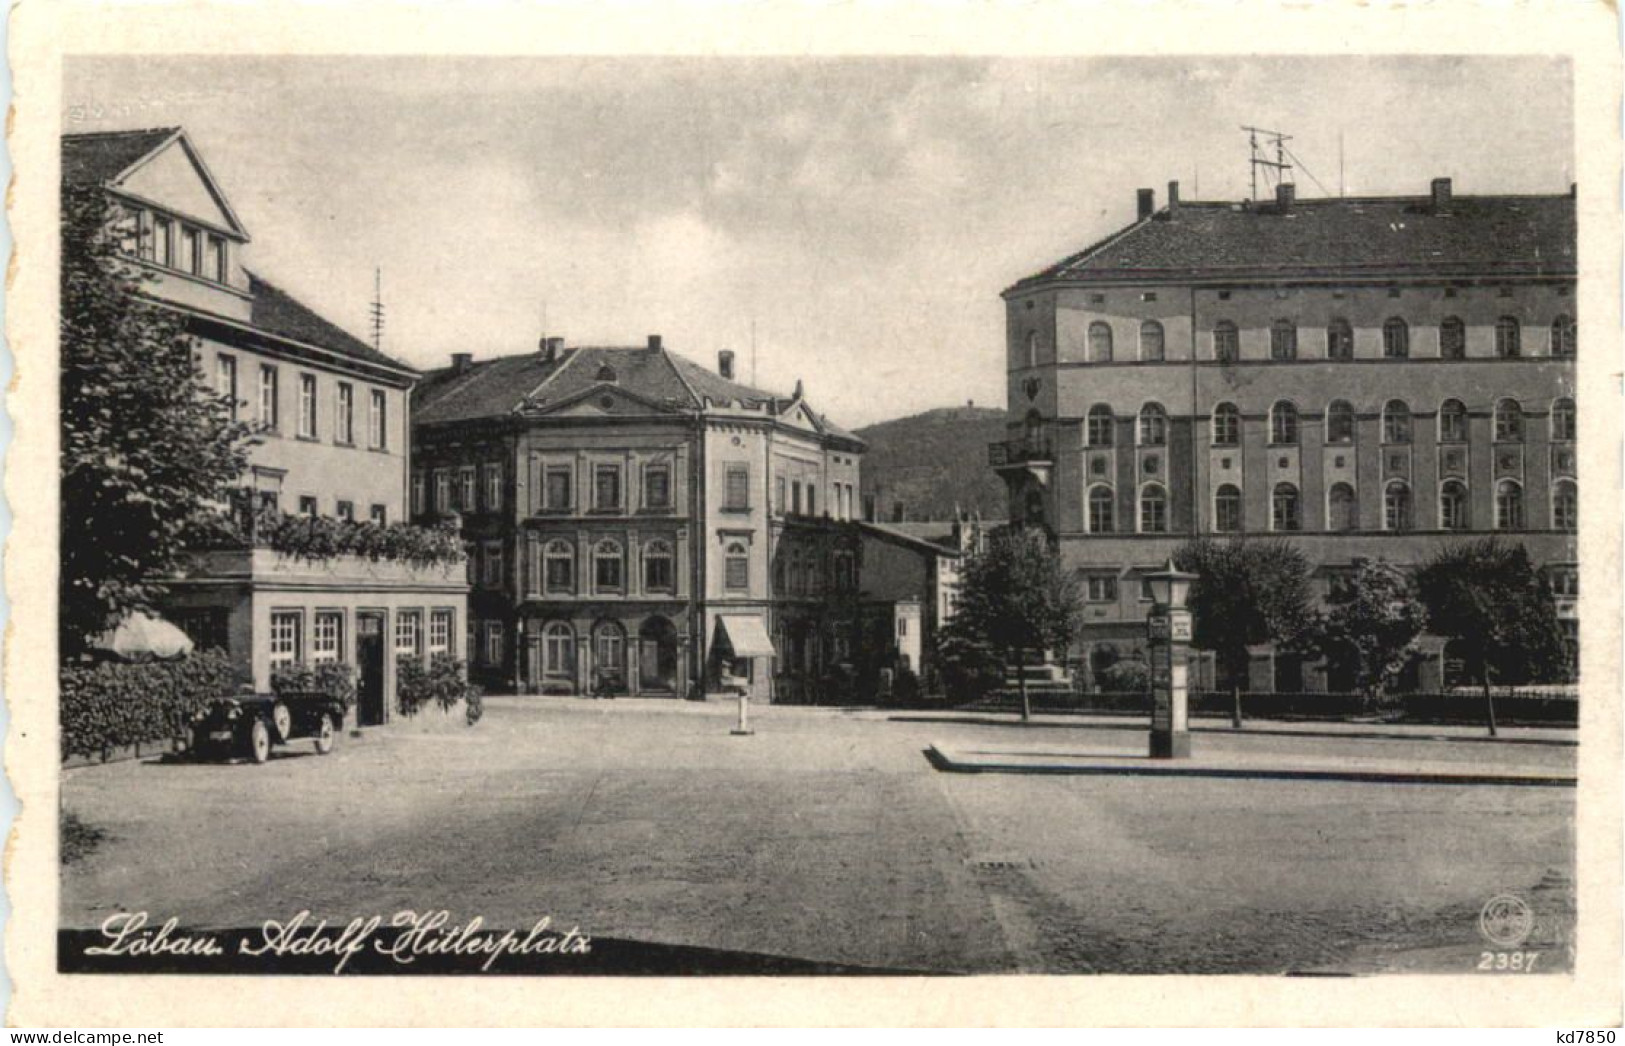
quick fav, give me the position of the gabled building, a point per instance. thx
(331, 414)
(638, 524)
(1367, 377)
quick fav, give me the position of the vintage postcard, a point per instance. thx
(912, 514)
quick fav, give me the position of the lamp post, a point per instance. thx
(1168, 629)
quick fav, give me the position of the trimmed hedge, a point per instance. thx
(444, 682)
(113, 704)
(336, 679)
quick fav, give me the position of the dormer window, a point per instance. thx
(606, 373)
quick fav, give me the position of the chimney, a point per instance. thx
(1173, 199)
(725, 364)
(1285, 193)
(654, 343)
(550, 348)
(1147, 203)
(461, 361)
(1441, 195)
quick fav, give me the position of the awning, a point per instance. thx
(746, 636)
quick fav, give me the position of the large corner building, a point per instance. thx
(1370, 377)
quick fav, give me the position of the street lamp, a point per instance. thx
(1168, 629)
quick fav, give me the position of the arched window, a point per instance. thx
(1100, 510)
(1153, 509)
(1565, 505)
(1100, 342)
(1226, 425)
(1508, 422)
(606, 373)
(1452, 338)
(1453, 505)
(1396, 338)
(1340, 422)
(1508, 505)
(1226, 342)
(1284, 423)
(1283, 340)
(1396, 506)
(607, 565)
(1342, 509)
(1032, 348)
(1396, 422)
(1099, 428)
(1563, 420)
(1033, 434)
(658, 575)
(1508, 337)
(1153, 425)
(1284, 513)
(609, 656)
(559, 650)
(1151, 349)
(736, 566)
(1339, 340)
(1452, 422)
(1563, 337)
(1227, 509)
(559, 566)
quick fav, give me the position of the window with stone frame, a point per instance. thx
(609, 566)
(736, 566)
(658, 567)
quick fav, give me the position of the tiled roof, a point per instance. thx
(1343, 236)
(937, 534)
(277, 312)
(97, 158)
(645, 373)
(486, 389)
(719, 390)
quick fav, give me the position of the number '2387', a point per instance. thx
(1508, 962)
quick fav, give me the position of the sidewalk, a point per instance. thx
(1124, 756)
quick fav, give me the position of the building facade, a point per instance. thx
(637, 524)
(1369, 377)
(909, 576)
(330, 414)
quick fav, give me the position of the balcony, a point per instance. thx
(1032, 455)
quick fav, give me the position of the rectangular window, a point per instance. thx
(344, 413)
(736, 567)
(286, 626)
(379, 515)
(778, 495)
(657, 572)
(190, 259)
(377, 421)
(409, 632)
(795, 497)
(812, 500)
(737, 496)
(1102, 588)
(226, 380)
(215, 260)
(442, 490)
(657, 486)
(560, 569)
(493, 642)
(307, 505)
(557, 496)
(1565, 583)
(268, 396)
(607, 568)
(440, 624)
(307, 406)
(493, 487)
(1146, 595)
(468, 497)
(493, 564)
(327, 637)
(607, 487)
(163, 241)
(417, 493)
(902, 626)
(346, 511)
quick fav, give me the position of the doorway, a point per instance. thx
(369, 657)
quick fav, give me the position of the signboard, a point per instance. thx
(1181, 628)
(1157, 626)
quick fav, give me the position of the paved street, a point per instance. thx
(829, 836)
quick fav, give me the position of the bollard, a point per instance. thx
(743, 729)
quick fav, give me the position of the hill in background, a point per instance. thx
(930, 463)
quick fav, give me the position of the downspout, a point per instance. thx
(696, 569)
(1196, 500)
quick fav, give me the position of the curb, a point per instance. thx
(945, 759)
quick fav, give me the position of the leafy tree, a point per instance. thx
(146, 450)
(1487, 597)
(1015, 600)
(1370, 627)
(1246, 592)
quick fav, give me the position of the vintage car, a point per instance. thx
(247, 725)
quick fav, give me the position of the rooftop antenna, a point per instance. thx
(1259, 157)
(375, 312)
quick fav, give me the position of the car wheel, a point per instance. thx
(325, 736)
(259, 741)
(282, 719)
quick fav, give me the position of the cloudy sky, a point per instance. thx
(864, 214)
